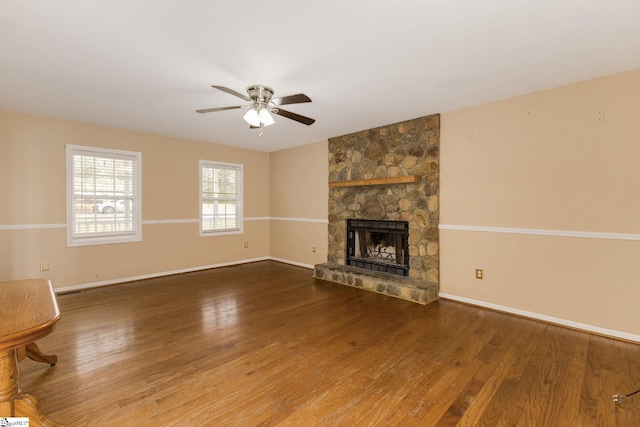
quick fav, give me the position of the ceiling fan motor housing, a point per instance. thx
(260, 94)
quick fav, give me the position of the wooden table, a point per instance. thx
(28, 312)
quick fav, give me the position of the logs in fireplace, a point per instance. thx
(378, 245)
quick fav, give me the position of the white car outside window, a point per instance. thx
(109, 206)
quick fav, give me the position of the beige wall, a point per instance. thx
(298, 206)
(542, 192)
(33, 209)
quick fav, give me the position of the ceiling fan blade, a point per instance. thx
(232, 92)
(291, 99)
(293, 116)
(211, 110)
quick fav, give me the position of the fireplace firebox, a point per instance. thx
(378, 245)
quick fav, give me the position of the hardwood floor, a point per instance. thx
(266, 344)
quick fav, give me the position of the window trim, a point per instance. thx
(239, 196)
(136, 234)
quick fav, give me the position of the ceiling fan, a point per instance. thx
(262, 105)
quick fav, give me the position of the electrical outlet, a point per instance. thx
(246, 244)
(44, 265)
(479, 273)
(313, 248)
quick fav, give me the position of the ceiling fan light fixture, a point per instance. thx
(252, 116)
(258, 116)
(265, 117)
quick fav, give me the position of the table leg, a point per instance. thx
(14, 403)
(34, 353)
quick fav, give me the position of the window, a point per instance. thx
(103, 196)
(220, 198)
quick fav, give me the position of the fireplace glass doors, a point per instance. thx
(378, 245)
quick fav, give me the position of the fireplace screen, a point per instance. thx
(378, 245)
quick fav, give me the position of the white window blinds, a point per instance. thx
(220, 198)
(103, 196)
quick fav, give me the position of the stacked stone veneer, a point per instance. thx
(409, 148)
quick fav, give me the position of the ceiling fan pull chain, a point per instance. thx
(617, 398)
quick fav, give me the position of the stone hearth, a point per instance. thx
(403, 287)
(387, 173)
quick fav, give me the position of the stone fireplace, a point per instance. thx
(386, 174)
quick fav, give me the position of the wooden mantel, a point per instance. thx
(405, 179)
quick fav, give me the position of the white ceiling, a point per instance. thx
(148, 65)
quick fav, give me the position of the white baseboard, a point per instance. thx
(84, 286)
(286, 261)
(543, 317)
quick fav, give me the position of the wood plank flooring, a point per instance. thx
(265, 344)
